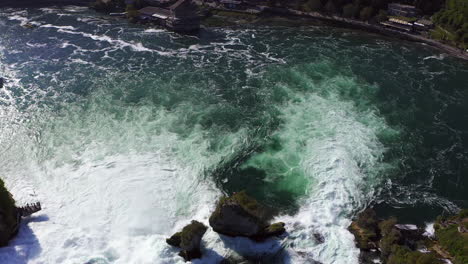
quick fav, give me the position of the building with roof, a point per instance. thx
(180, 16)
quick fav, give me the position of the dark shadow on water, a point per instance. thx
(269, 251)
(25, 246)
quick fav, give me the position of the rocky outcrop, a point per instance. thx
(29, 209)
(9, 217)
(241, 215)
(188, 240)
(452, 237)
(365, 230)
(393, 243)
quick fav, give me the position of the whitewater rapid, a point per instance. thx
(125, 134)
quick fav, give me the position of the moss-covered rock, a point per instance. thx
(452, 236)
(275, 229)
(364, 229)
(242, 215)
(396, 244)
(9, 217)
(403, 255)
(175, 239)
(189, 240)
(238, 215)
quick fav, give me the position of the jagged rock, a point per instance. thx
(451, 240)
(238, 215)
(29, 209)
(9, 216)
(241, 215)
(189, 240)
(275, 229)
(392, 243)
(319, 238)
(364, 229)
(1, 82)
(175, 239)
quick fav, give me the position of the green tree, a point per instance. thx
(453, 18)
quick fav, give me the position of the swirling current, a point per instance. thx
(126, 133)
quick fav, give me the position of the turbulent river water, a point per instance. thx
(126, 133)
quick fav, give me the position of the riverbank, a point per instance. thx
(375, 28)
(356, 24)
(385, 240)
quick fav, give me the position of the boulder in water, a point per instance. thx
(9, 217)
(275, 229)
(189, 240)
(241, 215)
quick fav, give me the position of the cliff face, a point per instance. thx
(9, 218)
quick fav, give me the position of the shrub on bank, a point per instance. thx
(451, 236)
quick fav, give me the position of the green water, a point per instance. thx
(125, 133)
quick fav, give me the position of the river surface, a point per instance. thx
(126, 133)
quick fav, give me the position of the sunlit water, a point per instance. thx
(126, 133)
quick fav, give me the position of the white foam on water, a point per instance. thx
(120, 209)
(22, 19)
(340, 158)
(429, 230)
(154, 30)
(406, 227)
(112, 190)
(58, 27)
(118, 43)
(339, 152)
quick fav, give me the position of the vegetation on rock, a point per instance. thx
(241, 215)
(365, 230)
(452, 23)
(275, 229)
(396, 246)
(452, 234)
(8, 216)
(189, 240)
(403, 255)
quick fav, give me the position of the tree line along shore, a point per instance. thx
(448, 19)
